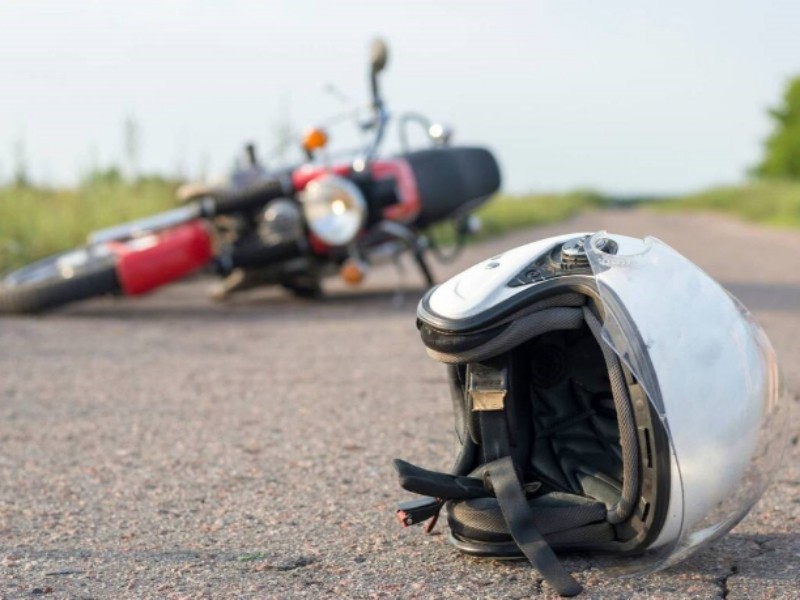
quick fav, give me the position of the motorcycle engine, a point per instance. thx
(281, 221)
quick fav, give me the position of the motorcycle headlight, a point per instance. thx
(335, 209)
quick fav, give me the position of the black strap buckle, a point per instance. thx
(416, 511)
(438, 485)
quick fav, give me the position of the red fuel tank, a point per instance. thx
(151, 261)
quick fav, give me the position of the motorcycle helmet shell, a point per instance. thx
(609, 396)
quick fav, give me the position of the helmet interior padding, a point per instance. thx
(572, 419)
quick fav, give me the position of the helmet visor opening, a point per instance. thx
(576, 437)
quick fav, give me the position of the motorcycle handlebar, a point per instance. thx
(255, 196)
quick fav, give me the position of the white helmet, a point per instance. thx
(609, 396)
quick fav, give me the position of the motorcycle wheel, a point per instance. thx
(58, 280)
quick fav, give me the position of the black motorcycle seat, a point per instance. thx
(452, 181)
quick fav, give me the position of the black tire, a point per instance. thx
(303, 287)
(42, 286)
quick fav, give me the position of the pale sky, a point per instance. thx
(622, 96)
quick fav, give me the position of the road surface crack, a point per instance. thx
(290, 565)
(723, 582)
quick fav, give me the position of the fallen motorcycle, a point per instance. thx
(291, 227)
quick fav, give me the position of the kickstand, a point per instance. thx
(422, 263)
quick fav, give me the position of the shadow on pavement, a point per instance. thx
(249, 307)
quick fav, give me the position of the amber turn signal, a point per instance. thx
(353, 271)
(314, 139)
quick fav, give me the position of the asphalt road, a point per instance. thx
(174, 448)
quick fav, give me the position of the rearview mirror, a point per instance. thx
(379, 55)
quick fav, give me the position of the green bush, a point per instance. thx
(782, 152)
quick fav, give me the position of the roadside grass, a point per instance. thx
(516, 212)
(37, 222)
(771, 202)
(505, 213)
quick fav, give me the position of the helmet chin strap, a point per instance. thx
(520, 519)
(488, 388)
(500, 475)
